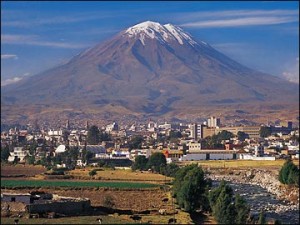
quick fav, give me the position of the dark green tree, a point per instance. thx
(136, 142)
(242, 136)
(30, 159)
(175, 134)
(140, 163)
(189, 188)
(224, 135)
(221, 203)
(262, 218)
(104, 137)
(156, 161)
(5, 153)
(277, 222)
(242, 210)
(226, 208)
(170, 170)
(93, 136)
(265, 132)
(289, 173)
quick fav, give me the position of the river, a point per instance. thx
(259, 198)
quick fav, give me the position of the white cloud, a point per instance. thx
(34, 40)
(238, 18)
(14, 79)
(9, 56)
(238, 22)
(236, 13)
(292, 73)
(10, 81)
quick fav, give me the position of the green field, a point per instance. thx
(75, 184)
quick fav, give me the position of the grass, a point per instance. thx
(44, 183)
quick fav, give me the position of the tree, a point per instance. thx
(5, 153)
(289, 173)
(225, 135)
(170, 170)
(242, 135)
(242, 209)
(31, 159)
(265, 132)
(189, 188)
(227, 208)
(104, 137)
(93, 137)
(156, 161)
(221, 203)
(262, 218)
(140, 163)
(136, 142)
(175, 134)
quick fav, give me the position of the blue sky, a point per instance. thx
(36, 36)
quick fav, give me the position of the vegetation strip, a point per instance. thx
(43, 183)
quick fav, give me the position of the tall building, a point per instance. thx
(193, 131)
(200, 129)
(68, 125)
(213, 122)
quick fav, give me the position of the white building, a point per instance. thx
(194, 146)
(18, 153)
(60, 149)
(213, 122)
(210, 155)
(136, 152)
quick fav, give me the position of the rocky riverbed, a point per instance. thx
(263, 191)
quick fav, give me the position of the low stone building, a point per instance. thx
(40, 202)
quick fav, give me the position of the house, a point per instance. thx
(172, 155)
(136, 152)
(19, 153)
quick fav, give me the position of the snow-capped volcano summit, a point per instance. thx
(163, 33)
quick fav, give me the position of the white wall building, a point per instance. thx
(19, 153)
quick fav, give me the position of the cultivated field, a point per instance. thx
(21, 170)
(243, 164)
(120, 174)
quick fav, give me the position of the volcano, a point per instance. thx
(151, 69)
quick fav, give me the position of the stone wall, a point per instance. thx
(63, 207)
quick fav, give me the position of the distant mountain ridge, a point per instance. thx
(150, 69)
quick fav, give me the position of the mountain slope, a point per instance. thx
(150, 68)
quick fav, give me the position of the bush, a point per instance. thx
(92, 173)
